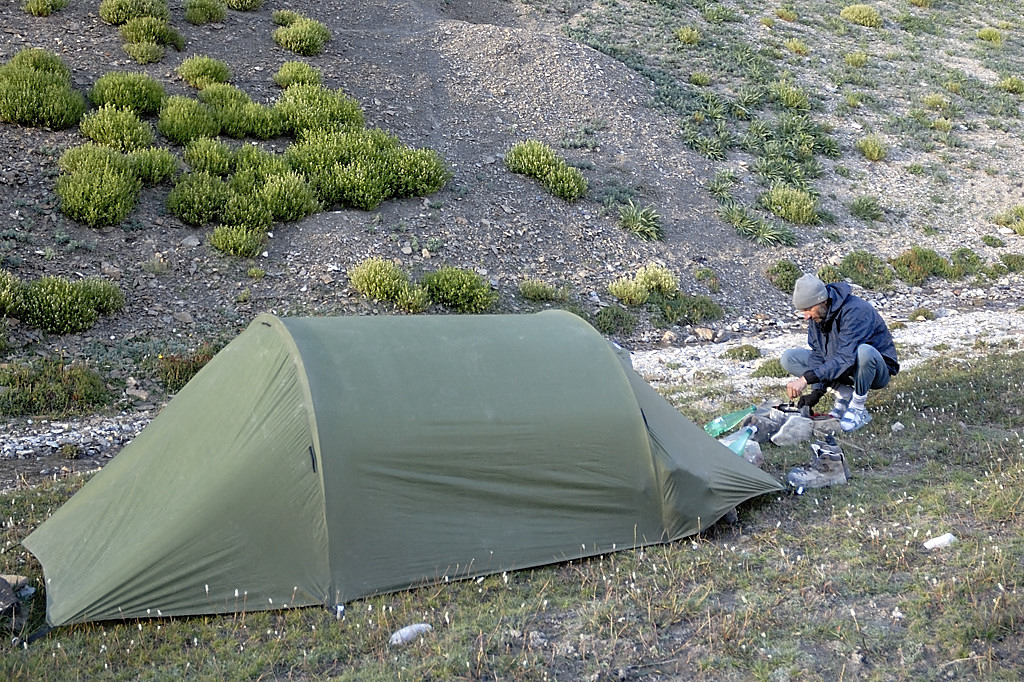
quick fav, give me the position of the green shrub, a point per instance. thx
(305, 107)
(237, 240)
(641, 222)
(829, 274)
(291, 73)
(1012, 218)
(614, 320)
(289, 197)
(117, 12)
(783, 274)
(872, 147)
(920, 315)
(136, 91)
(963, 262)
(49, 387)
(771, 368)
(790, 96)
(688, 35)
(44, 8)
(1012, 84)
(1014, 262)
(151, 30)
(248, 209)
(251, 158)
(786, 14)
(629, 291)
(104, 296)
(866, 208)
(117, 128)
(710, 279)
(35, 90)
(681, 308)
(791, 203)
(856, 59)
(207, 155)
(11, 290)
(461, 289)
(701, 79)
(917, 264)
(991, 35)
(223, 96)
(657, 278)
(746, 352)
(379, 279)
(144, 53)
(99, 193)
(58, 306)
(183, 119)
(535, 159)
(176, 370)
(153, 165)
(301, 35)
(993, 241)
(863, 15)
(198, 198)
(417, 172)
(538, 290)
(797, 46)
(200, 71)
(245, 5)
(866, 269)
(205, 11)
(91, 156)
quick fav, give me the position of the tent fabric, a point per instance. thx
(321, 460)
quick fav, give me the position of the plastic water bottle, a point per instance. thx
(719, 425)
(737, 442)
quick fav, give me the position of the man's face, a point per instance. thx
(816, 313)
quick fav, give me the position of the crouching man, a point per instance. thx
(851, 350)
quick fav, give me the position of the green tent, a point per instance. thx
(320, 460)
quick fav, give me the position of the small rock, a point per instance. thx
(669, 338)
(190, 241)
(183, 317)
(897, 427)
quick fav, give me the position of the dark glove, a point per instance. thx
(811, 399)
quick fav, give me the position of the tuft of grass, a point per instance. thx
(856, 59)
(613, 320)
(744, 353)
(771, 368)
(862, 15)
(866, 208)
(797, 46)
(541, 291)
(641, 221)
(990, 35)
(688, 35)
(872, 147)
(535, 159)
(791, 203)
(1011, 84)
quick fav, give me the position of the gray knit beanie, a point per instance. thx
(809, 292)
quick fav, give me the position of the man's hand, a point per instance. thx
(796, 387)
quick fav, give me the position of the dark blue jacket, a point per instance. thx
(849, 322)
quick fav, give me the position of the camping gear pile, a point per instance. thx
(783, 424)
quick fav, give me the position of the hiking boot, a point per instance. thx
(829, 449)
(854, 419)
(819, 473)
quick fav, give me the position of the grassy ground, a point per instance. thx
(834, 584)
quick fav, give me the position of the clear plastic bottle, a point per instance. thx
(737, 442)
(719, 425)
